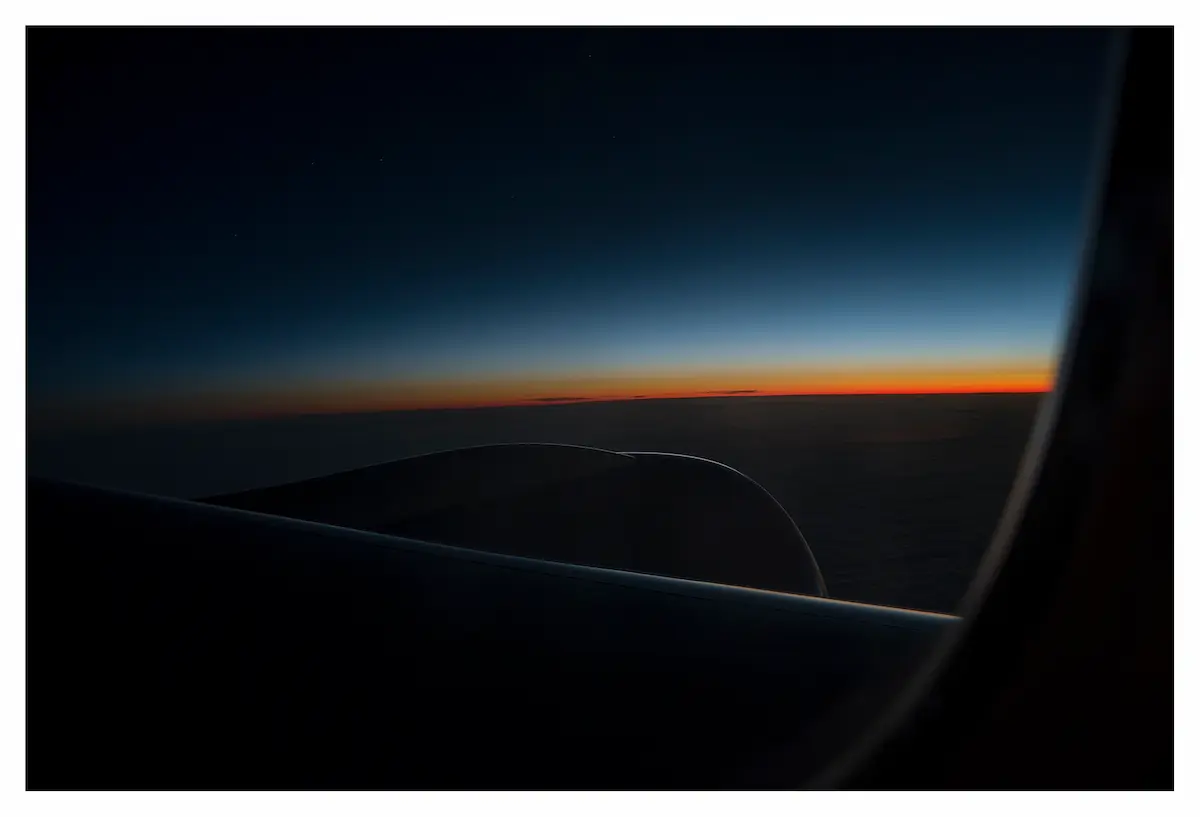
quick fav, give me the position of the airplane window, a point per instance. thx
(512, 271)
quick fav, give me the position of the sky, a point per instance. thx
(230, 222)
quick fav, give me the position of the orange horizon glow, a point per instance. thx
(1005, 376)
(281, 400)
(607, 398)
(865, 391)
(1006, 388)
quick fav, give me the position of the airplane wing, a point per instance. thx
(648, 512)
(193, 645)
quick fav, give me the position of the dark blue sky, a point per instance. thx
(393, 212)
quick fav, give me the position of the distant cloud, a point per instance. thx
(639, 397)
(557, 399)
(734, 391)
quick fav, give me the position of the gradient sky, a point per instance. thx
(229, 222)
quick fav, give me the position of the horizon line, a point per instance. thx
(536, 402)
(137, 415)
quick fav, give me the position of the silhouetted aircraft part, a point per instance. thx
(176, 644)
(376, 495)
(1061, 677)
(666, 514)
